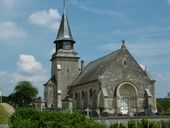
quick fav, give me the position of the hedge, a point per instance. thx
(31, 118)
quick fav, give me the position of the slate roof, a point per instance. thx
(95, 68)
(64, 32)
(52, 80)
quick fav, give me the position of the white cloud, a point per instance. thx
(49, 19)
(149, 52)
(3, 73)
(28, 64)
(162, 83)
(35, 79)
(108, 47)
(151, 47)
(74, 2)
(8, 81)
(168, 1)
(99, 11)
(29, 69)
(8, 3)
(148, 31)
(10, 30)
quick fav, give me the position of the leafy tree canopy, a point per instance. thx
(24, 94)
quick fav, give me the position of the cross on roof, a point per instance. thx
(123, 41)
(123, 44)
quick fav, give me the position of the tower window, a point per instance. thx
(58, 66)
(59, 46)
(66, 45)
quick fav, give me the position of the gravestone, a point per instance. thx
(67, 104)
(88, 111)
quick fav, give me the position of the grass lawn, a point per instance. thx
(4, 116)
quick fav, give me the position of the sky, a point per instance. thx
(29, 27)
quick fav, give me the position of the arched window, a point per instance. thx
(94, 99)
(86, 102)
(91, 93)
(82, 94)
(76, 95)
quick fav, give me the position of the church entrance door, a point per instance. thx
(124, 105)
(126, 98)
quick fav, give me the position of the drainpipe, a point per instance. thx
(82, 66)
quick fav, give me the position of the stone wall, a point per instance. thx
(124, 120)
(118, 72)
(85, 95)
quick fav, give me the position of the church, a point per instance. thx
(114, 83)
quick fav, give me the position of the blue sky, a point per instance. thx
(29, 27)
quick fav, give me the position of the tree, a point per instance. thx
(24, 94)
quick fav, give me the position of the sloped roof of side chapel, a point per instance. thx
(96, 68)
(51, 81)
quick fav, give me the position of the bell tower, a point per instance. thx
(64, 38)
(65, 62)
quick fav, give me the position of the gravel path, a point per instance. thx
(10, 109)
(4, 126)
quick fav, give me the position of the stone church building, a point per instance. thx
(114, 83)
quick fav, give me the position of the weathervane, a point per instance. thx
(64, 5)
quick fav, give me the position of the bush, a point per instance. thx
(23, 123)
(163, 106)
(30, 118)
(134, 124)
(117, 125)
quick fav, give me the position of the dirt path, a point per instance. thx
(10, 109)
(4, 126)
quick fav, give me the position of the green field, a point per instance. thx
(4, 116)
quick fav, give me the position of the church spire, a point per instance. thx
(64, 32)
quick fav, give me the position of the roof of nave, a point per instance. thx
(95, 68)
